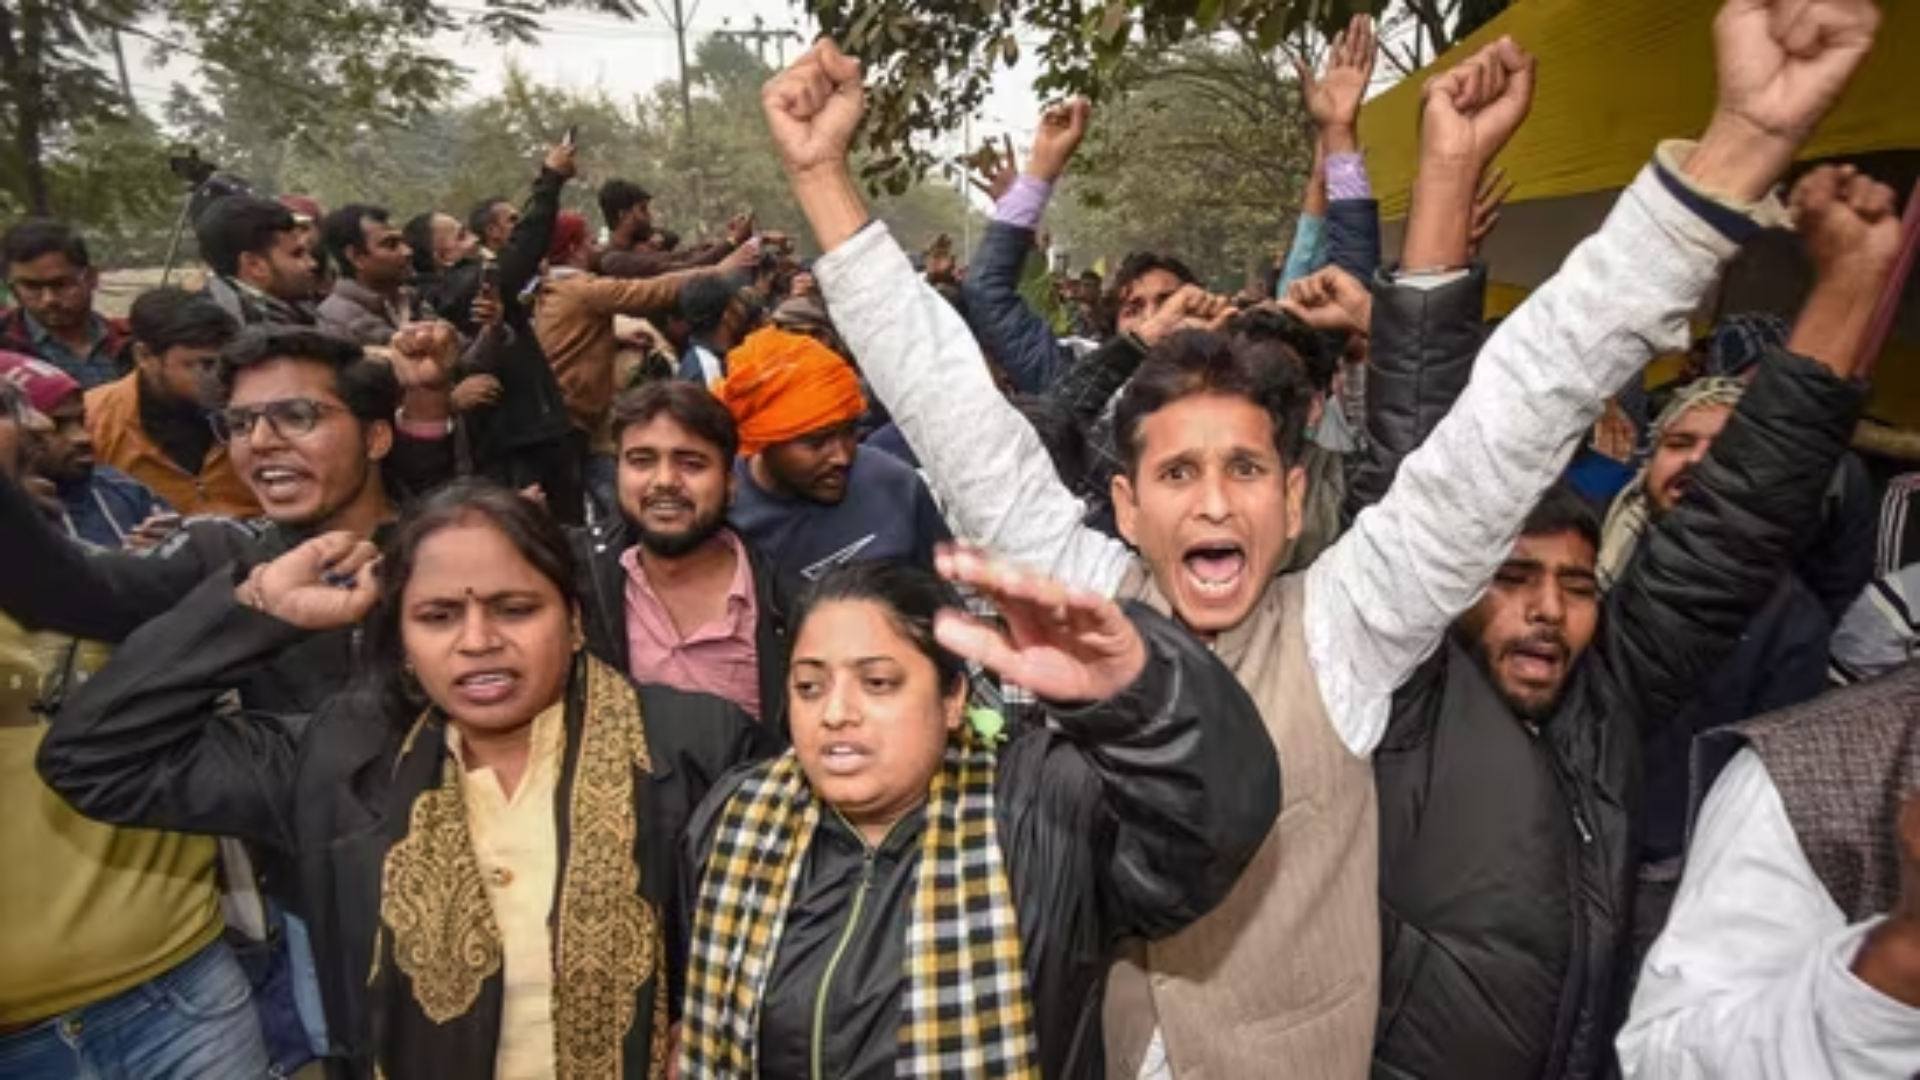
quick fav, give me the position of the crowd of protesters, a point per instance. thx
(477, 649)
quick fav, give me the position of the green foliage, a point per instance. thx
(451, 158)
(1203, 152)
(935, 59)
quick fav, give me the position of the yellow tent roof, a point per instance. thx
(1617, 77)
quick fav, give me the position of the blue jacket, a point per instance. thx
(107, 507)
(1013, 334)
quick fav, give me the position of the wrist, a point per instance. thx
(1440, 224)
(1833, 324)
(1737, 159)
(1339, 139)
(831, 201)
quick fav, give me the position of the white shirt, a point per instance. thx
(1753, 977)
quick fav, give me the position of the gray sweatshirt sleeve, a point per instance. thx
(985, 463)
(1380, 601)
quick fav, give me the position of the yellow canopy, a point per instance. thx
(1614, 79)
(1617, 77)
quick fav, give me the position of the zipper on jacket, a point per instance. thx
(1574, 990)
(819, 1071)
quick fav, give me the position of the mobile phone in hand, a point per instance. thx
(572, 137)
(490, 275)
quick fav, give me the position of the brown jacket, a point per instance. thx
(113, 419)
(1282, 980)
(574, 322)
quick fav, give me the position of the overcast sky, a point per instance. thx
(586, 50)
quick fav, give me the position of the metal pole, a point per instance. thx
(966, 203)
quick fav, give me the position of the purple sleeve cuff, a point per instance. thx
(1024, 203)
(1347, 177)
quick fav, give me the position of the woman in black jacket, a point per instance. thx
(483, 839)
(898, 895)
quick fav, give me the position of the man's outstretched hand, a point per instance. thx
(1782, 65)
(813, 108)
(1333, 100)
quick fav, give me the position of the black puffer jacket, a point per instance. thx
(1508, 851)
(1131, 818)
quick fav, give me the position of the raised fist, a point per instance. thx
(1061, 129)
(813, 108)
(1471, 111)
(1849, 223)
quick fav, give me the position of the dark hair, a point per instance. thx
(419, 233)
(619, 196)
(35, 237)
(1315, 351)
(530, 529)
(366, 386)
(1563, 510)
(911, 598)
(704, 301)
(691, 405)
(1195, 362)
(1141, 264)
(481, 216)
(170, 317)
(236, 225)
(344, 230)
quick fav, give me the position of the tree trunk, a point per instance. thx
(22, 45)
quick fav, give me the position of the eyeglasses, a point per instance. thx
(289, 419)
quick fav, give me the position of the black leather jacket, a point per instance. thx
(1130, 818)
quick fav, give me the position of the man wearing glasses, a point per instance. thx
(52, 280)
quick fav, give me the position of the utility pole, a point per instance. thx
(681, 20)
(760, 35)
(126, 84)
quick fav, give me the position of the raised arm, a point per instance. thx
(47, 582)
(1713, 561)
(982, 458)
(1380, 601)
(532, 235)
(1350, 212)
(1006, 324)
(147, 743)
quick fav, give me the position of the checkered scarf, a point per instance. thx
(965, 1012)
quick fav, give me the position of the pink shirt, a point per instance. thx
(719, 658)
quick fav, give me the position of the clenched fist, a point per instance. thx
(814, 107)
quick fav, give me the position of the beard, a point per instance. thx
(673, 545)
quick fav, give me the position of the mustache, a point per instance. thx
(1540, 641)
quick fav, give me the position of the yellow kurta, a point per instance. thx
(517, 844)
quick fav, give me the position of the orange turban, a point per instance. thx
(780, 386)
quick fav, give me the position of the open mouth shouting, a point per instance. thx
(279, 483)
(1215, 569)
(488, 687)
